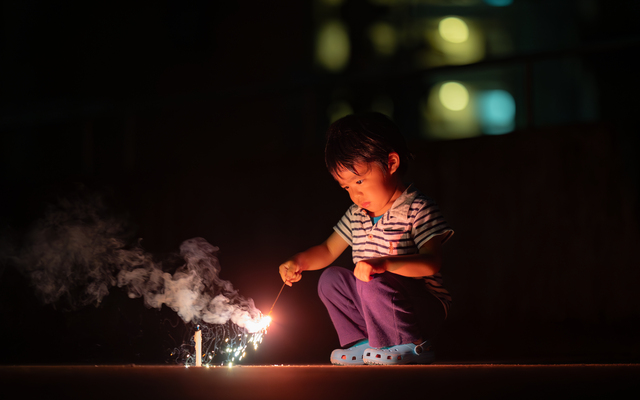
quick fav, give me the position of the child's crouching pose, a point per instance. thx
(388, 309)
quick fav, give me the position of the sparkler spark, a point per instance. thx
(236, 340)
(224, 344)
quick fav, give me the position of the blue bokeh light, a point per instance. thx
(499, 3)
(497, 112)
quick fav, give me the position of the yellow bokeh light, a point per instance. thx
(453, 41)
(440, 122)
(454, 96)
(454, 30)
(332, 46)
(384, 38)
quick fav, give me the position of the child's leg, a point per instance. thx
(337, 290)
(398, 310)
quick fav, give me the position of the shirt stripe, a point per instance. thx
(410, 223)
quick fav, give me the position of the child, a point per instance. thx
(393, 303)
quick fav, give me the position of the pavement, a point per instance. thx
(436, 381)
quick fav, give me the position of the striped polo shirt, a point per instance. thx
(412, 220)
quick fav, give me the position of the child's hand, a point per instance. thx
(364, 269)
(290, 272)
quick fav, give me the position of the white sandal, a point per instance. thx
(400, 354)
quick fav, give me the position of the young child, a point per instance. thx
(391, 305)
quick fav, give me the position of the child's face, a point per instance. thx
(371, 188)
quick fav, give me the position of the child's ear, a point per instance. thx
(393, 162)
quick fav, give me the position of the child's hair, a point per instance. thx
(364, 138)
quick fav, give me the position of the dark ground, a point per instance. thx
(442, 381)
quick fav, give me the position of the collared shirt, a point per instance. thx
(411, 222)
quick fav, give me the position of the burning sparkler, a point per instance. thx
(223, 344)
(236, 340)
(277, 297)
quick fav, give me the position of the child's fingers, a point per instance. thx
(363, 271)
(282, 269)
(289, 273)
(284, 272)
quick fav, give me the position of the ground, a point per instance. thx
(450, 381)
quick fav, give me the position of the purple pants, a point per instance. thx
(388, 310)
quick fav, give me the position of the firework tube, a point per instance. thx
(198, 339)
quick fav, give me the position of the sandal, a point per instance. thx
(400, 354)
(350, 356)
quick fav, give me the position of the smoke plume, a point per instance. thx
(76, 253)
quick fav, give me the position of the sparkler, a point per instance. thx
(223, 344)
(277, 297)
(236, 340)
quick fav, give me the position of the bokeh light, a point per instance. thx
(448, 112)
(384, 38)
(332, 46)
(497, 111)
(454, 96)
(499, 3)
(454, 30)
(456, 41)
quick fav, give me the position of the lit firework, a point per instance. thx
(224, 344)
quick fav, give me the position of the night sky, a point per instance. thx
(174, 120)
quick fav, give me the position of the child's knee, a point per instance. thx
(330, 278)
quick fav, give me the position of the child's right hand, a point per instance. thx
(290, 271)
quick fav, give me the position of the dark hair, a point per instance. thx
(368, 138)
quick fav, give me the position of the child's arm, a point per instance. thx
(314, 258)
(427, 262)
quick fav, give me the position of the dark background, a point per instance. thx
(203, 118)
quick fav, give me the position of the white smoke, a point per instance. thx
(194, 291)
(76, 253)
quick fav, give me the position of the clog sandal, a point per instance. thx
(350, 356)
(400, 354)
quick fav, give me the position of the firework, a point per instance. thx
(222, 344)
